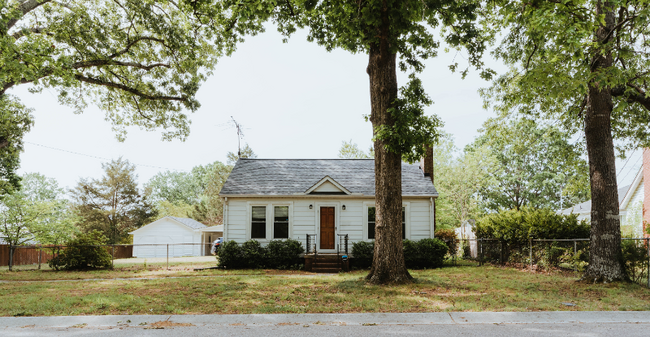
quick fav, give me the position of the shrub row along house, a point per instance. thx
(323, 199)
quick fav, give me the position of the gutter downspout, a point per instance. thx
(225, 219)
(432, 219)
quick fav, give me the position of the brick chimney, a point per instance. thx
(426, 163)
(646, 190)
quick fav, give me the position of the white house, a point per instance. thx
(182, 236)
(633, 201)
(275, 199)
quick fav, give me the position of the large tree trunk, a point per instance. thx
(605, 263)
(388, 265)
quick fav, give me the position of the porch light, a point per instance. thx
(311, 206)
(343, 207)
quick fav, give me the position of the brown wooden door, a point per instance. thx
(327, 228)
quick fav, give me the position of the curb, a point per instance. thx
(360, 319)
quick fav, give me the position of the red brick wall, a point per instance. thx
(646, 190)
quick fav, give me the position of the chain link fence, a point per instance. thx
(547, 254)
(39, 255)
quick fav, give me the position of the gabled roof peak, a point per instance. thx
(327, 185)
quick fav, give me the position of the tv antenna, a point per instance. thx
(240, 135)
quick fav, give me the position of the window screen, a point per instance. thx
(281, 222)
(371, 223)
(258, 222)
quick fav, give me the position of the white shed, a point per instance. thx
(182, 236)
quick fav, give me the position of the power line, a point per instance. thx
(628, 172)
(101, 158)
(627, 161)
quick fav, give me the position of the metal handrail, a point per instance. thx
(345, 238)
(309, 245)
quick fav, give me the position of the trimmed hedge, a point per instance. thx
(278, 254)
(426, 253)
(515, 227)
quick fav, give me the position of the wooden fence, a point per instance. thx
(31, 254)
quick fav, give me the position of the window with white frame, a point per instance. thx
(281, 222)
(371, 222)
(258, 222)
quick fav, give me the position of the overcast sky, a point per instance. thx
(294, 100)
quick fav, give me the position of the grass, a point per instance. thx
(129, 268)
(460, 288)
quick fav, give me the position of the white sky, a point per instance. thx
(294, 100)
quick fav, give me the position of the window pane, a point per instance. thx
(258, 231)
(281, 231)
(371, 222)
(281, 222)
(403, 222)
(258, 222)
(259, 213)
(281, 213)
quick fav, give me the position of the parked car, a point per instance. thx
(215, 246)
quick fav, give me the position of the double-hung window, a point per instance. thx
(371, 222)
(258, 222)
(281, 222)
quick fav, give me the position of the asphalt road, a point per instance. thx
(483, 330)
(555, 323)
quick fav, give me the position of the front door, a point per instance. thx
(327, 228)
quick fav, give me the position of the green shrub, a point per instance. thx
(362, 252)
(411, 253)
(448, 236)
(80, 253)
(278, 254)
(254, 255)
(231, 256)
(426, 253)
(284, 254)
(515, 227)
(635, 255)
(512, 230)
(431, 253)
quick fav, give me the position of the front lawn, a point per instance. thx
(462, 288)
(128, 268)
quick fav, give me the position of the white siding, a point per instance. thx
(632, 215)
(302, 220)
(151, 240)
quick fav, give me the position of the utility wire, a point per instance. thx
(101, 158)
(628, 172)
(627, 161)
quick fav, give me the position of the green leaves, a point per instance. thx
(551, 47)
(412, 128)
(536, 165)
(140, 61)
(15, 121)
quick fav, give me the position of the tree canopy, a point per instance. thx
(15, 121)
(139, 61)
(113, 204)
(536, 165)
(584, 64)
(351, 150)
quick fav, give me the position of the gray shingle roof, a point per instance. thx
(585, 207)
(293, 176)
(191, 223)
